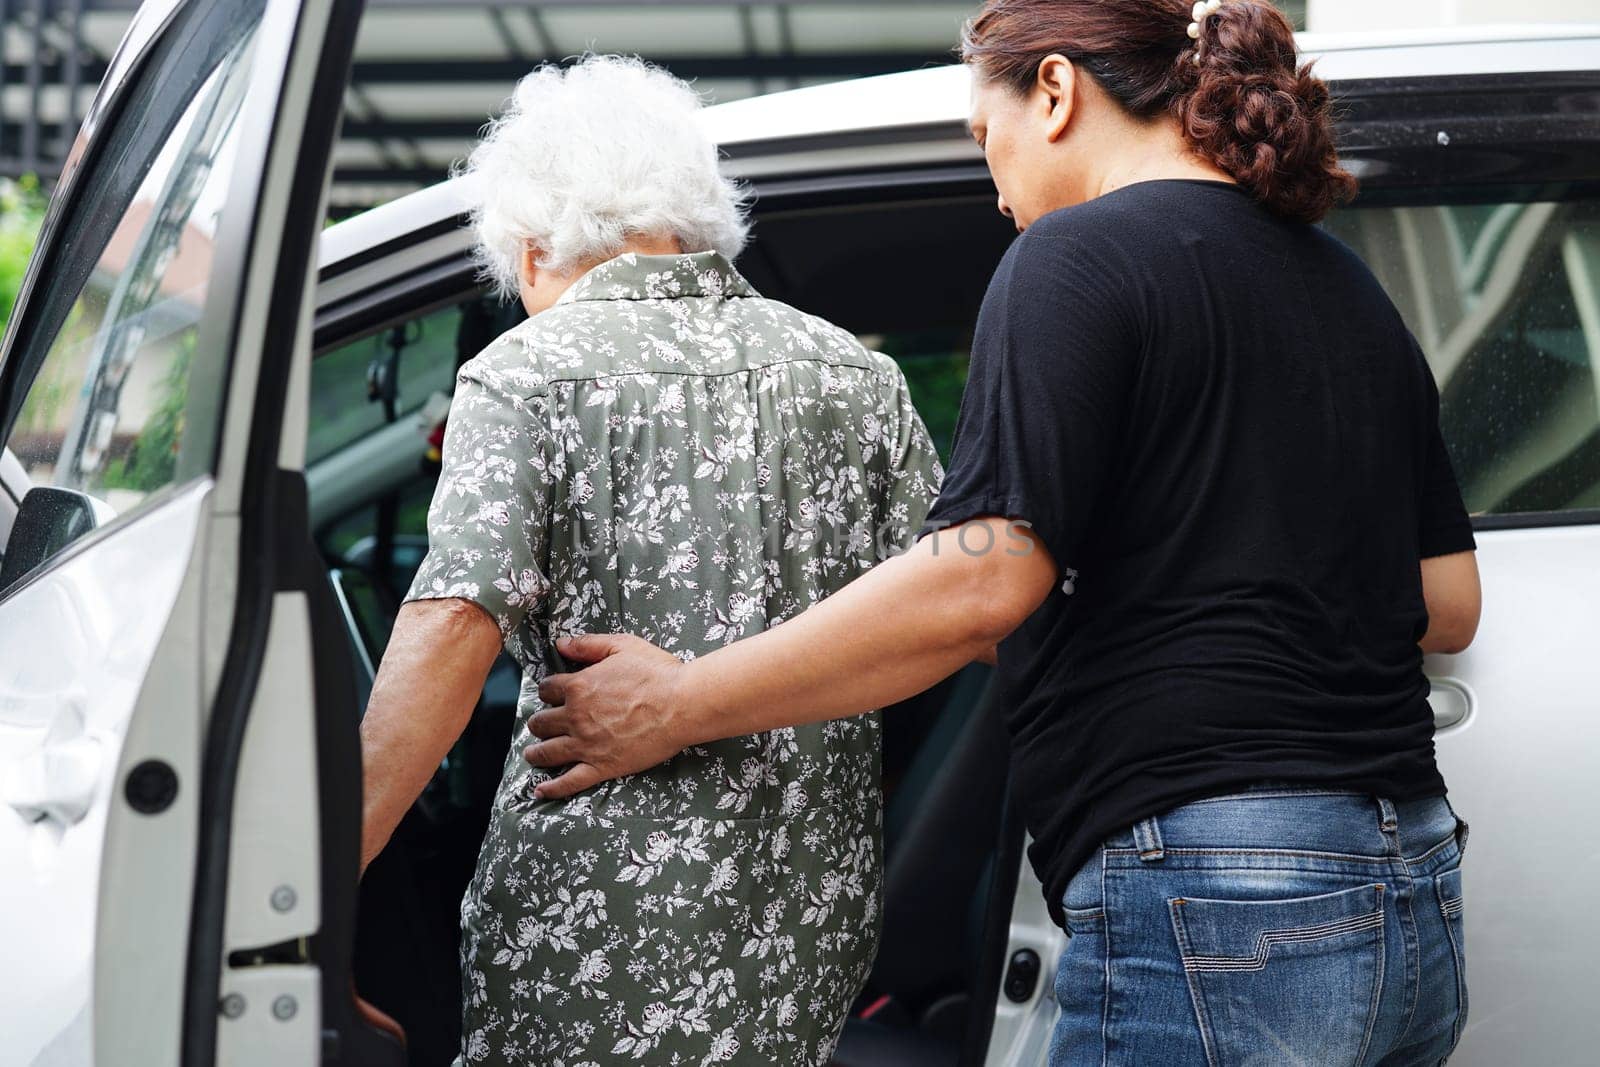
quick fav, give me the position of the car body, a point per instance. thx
(234, 497)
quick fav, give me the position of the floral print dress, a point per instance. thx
(666, 453)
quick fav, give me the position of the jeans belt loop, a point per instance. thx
(1389, 820)
(1147, 838)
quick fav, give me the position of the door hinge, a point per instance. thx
(296, 950)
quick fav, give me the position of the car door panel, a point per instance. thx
(148, 850)
(80, 642)
(277, 1020)
(1521, 772)
(274, 857)
(1024, 1014)
(275, 819)
(168, 633)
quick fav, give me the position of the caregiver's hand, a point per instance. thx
(908, 622)
(623, 710)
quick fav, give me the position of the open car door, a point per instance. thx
(179, 830)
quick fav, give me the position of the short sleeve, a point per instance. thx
(914, 475)
(1054, 356)
(1443, 525)
(488, 522)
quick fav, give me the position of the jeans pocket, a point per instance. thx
(1284, 981)
(1448, 886)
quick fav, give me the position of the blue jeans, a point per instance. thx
(1275, 926)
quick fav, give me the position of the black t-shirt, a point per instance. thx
(1218, 424)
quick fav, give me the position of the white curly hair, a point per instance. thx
(587, 156)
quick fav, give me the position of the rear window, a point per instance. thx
(1504, 297)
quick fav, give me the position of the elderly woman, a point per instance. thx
(659, 450)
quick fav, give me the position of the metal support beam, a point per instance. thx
(786, 39)
(387, 176)
(747, 30)
(498, 17)
(73, 75)
(54, 69)
(30, 124)
(547, 43)
(5, 78)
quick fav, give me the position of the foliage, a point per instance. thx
(935, 366)
(152, 460)
(22, 205)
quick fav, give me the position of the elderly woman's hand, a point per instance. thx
(619, 715)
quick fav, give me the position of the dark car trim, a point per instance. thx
(996, 936)
(1532, 520)
(1527, 128)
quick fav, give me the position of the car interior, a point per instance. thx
(906, 274)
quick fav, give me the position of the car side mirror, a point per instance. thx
(48, 520)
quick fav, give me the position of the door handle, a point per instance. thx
(1452, 701)
(57, 780)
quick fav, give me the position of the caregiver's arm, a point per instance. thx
(1454, 597)
(892, 633)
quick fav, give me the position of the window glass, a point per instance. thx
(1505, 301)
(422, 353)
(106, 410)
(353, 545)
(935, 365)
(353, 537)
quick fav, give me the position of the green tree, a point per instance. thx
(22, 205)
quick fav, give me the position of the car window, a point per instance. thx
(109, 408)
(347, 381)
(353, 538)
(935, 365)
(1504, 297)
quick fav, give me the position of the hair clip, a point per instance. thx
(1202, 8)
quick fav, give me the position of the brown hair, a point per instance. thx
(1246, 106)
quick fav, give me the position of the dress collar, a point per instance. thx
(631, 276)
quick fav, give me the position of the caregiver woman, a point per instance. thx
(1201, 502)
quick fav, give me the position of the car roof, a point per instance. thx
(937, 96)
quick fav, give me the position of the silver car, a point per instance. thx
(219, 424)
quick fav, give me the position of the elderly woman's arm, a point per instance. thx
(432, 673)
(888, 635)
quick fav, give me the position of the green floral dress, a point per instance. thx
(667, 453)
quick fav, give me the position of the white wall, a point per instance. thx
(1338, 15)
